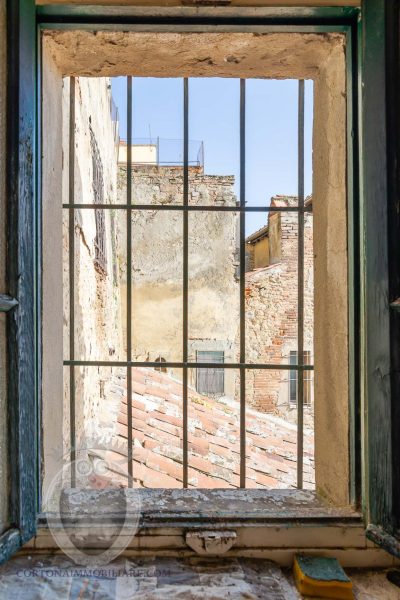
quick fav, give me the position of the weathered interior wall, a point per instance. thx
(317, 56)
(3, 288)
(144, 54)
(55, 416)
(331, 283)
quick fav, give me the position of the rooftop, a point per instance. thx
(213, 438)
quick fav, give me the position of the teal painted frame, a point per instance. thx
(381, 281)
(22, 252)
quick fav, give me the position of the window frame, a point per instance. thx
(24, 209)
(287, 20)
(22, 304)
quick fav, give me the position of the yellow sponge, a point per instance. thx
(322, 577)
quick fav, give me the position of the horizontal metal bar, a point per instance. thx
(190, 207)
(189, 365)
(160, 14)
(7, 303)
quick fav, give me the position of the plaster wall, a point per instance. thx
(3, 288)
(55, 415)
(157, 267)
(331, 285)
(146, 153)
(261, 253)
(317, 56)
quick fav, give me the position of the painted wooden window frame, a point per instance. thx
(374, 273)
(23, 366)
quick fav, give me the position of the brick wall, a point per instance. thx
(271, 312)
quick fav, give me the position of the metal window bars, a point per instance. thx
(241, 208)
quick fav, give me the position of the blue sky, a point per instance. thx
(271, 129)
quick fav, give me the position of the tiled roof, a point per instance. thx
(213, 438)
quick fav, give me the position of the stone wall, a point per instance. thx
(157, 266)
(271, 313)
(97, 307)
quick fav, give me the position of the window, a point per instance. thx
(210, 380)
(100, 258)
(293, 379)
(335, 312)
(181, 226)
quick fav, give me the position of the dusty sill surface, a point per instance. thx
(197, 507)
(260, 524)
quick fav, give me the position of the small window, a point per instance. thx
(293, 379)
(100, 257)
(210, 381)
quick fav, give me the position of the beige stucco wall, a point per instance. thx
(261, 253)
(330, 249)
(157, 267)
(316, 56)
(146, 153)
(54, 445)
(3, 288)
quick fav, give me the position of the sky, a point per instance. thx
(271, 129)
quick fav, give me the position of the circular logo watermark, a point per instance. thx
(95, 520)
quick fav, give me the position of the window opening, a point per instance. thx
(293, 379)
(210, 380)
(100, 259)
(211, 282)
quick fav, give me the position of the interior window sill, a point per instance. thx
(191, 508)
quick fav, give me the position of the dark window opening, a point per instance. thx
(293, 379)
(100, 249)
(161, 369)
(210, 381)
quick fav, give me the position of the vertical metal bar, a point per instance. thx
(185, 277)
(242, 286)
(300, 290)
(71, 233)
(129, 277)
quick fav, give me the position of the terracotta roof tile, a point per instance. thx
(213, 440)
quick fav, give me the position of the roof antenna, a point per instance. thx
(150, 134)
